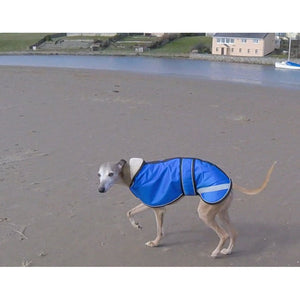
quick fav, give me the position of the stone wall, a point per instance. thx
(66, 45)
(239, 59)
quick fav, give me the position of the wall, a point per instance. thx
(239, 59)
(269, 43)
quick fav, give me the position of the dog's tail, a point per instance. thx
(258, 190)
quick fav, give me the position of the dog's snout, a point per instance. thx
(101, 189)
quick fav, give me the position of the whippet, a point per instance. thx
(161, 183)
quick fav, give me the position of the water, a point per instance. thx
(233, 72)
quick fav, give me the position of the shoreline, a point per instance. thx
(250, 84)
(192, 56)
(153, 76)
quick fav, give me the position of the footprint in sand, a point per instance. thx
(20, 156)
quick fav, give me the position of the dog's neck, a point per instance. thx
(130, 169)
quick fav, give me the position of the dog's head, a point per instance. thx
(109, 174)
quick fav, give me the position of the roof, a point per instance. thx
(246, 35)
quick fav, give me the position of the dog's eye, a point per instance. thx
(111, 174)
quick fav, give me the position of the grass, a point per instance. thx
(140, 38)
(18, 41)
(85, 37)
(128, 43)
(184, 45)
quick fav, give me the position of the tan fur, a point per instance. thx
(258, 190)
(206, 212)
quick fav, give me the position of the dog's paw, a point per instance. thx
(138, 226)
(151, 244)
(214, 254)
(226, 251)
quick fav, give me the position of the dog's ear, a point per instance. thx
(121, 163)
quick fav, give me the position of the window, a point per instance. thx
(217, 49)
(225, 40)
(240, 50)
(248, 51)
(232, 49)
(255, 41)
(256, 51)
(244, 41)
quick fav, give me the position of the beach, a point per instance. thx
(58, 125)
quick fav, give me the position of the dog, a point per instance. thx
(161, 183)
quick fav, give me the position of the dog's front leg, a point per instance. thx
(134, 211)
(159, 216)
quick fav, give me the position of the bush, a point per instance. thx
(202, 48)
(48, 38)
(192, 34)
(166, 38)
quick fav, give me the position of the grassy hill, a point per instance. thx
(129, 43)
(18, 41)
(185, 45)
(123, 43)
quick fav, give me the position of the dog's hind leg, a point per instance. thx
(137, 209)
(224, 217)
(208, 213)
(159, 216)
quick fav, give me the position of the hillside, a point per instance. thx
(122, 43)
(186, 44)
(18, 41)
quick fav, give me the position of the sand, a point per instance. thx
(58, 125)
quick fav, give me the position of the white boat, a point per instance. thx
(287, 64)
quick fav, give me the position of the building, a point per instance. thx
(243, 44)
(293, 35)
(295, 48)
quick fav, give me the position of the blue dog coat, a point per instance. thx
(163, 182)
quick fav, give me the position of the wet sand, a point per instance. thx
(58, 125)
